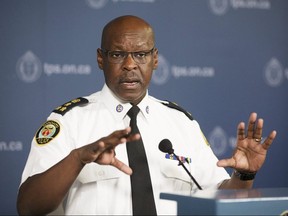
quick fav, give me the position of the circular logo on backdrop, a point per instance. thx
(161, 75)
(273, 73)
(97, 4)
(47, 132)
(219, 7)
(218, 141)
(28, 67)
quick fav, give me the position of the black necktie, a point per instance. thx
(142, 192)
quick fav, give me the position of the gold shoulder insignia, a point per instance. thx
(176, 106)
(69, 105)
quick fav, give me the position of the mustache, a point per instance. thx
(130, 77)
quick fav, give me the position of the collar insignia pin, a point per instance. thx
(119, 108)
(147, 109)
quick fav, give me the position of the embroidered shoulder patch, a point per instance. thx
(69, 105)
(47, 132)
(176, 106)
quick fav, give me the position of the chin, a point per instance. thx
(132, 98)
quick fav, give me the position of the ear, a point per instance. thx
(100, 58)
(155, 59)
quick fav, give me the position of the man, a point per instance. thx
(78, 157)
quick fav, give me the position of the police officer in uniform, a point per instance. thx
(78, 161)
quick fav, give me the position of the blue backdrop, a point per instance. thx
(219, 59)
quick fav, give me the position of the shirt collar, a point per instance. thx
(119, 108)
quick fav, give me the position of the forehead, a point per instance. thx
(131, 34)
(130, 40)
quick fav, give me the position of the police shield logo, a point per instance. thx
(273, 73)
(219, 7)
(28, 67)
(161, 75)
(97, 4)
(47, 132)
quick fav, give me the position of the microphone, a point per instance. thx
(166, 146)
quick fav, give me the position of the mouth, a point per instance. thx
(129, 83)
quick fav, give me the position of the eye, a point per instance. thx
(140, 55)
(117, 54)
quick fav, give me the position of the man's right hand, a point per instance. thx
(103, 150)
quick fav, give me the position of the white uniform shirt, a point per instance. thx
(103, 189)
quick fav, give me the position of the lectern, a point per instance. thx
(262, 201)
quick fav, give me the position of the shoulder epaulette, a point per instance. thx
(69, 105)
(176, 106)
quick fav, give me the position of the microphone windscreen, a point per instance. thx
(166, 146)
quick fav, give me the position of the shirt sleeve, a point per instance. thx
(50, 144)
(205, 161)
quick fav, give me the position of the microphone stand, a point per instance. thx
(182, 164)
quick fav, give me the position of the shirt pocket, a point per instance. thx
(175, 175)
(94, 172)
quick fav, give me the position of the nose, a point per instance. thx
(129, 63)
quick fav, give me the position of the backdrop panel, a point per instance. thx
(219, 59)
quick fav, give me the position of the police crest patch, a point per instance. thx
(47, 132)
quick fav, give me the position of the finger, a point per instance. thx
(241, 131)
(128, 137)
(113, 140)
(121, 133)
(121, 166)
(121, 136)
(258, 129)
(269, 140)
(117, 137)
(251, 125)
(226, 163)
(131, 137)
(99, 148)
